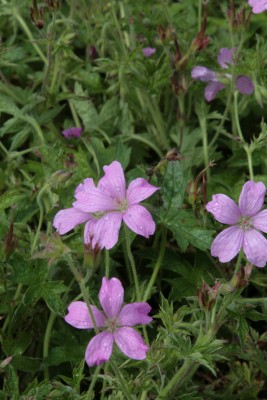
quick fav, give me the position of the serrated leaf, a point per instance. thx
(7, 105)
(10, 198)
(85, 108)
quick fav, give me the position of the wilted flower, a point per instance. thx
(225, 57)
(148, 51)
(246, 222)
(116, 321)
(72, 132)
(258, 6)
(104, 207)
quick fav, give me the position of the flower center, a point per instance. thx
(245, 223)
(111, 325)
(121, 205)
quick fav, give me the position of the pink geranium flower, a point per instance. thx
(148, 51)
(116, 321)
(225, 57)
(72, 132)
(258, 6)
(246, 222)
(103, 208)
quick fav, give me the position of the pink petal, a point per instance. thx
(84, 187)
(251, 198)
(134, 314)
(72, 132)
(259, 6)
(244, 84)
(99, 349)
(225, 57)
(139, 220)
(79, 316)
(259, 221)
(113, 182)
(94, 200)
(227, 244)
(130, 343)
(224, 209)
(111, 297)
(212, 89)
(66, 220)
(89, 233)
(203, 74)
(148, 51)
(139, 190)
(255, 247)
(106, 230)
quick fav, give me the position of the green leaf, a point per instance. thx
(7, 105)
(85, 108)
(10, 198)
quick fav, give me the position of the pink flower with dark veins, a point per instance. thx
(72, 132)
(116, 321)
(225, 58)
(258, 6)
(103, 208)
(247, 222)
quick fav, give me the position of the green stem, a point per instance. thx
(181, 376)
(236, 117)
(250, 164)
(103, 391)
(144, 395)
(93, 382)
(48, 331)
(121, 380)
(158, 264)
(203, 126)
(15, 298)
(132, 263)
(199, 20)
(79, 279)
(107, 263)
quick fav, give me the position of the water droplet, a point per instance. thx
(92, 204)
(106, 218)
(140, 227)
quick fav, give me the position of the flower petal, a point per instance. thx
(259, 6)
(203, 74)
(212, 89)
(259, 221)
(113, 182)
(84, 187)
(224, 209)
(66, 220)
(139, 190)
(79, 316)
(139, 220)
(130, 343)
(255, 247)
(72, 132)
(106, 230)
(134, 314)
(148, 51)
(111, 296)
(99, 349)
(227, 244)
(251, 198)
(93, 200)
(225, 57)
(244, 84)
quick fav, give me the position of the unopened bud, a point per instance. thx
(37, 15)
(207, 295)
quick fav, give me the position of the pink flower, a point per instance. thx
(116, 321)
(258, 6)
(104, 207)
(225, 57)
(72, 132)
(148, 51)
(246, 222)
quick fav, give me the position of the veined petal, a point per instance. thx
(106, 230)
(89, 233)
(66, 220)
(259, 221)
(255, 247)
(212, 89)
(99, 349)
(139, 220)
(130, 343)
(203, 74)
(244, 84)
(113, 182)
(111, 297)
(84, 187)
(227, 244)
(94, 200)
(139, 190)
(79, 316)
(224, 209)
(134, 314)
(225, 57)
(251, 198)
